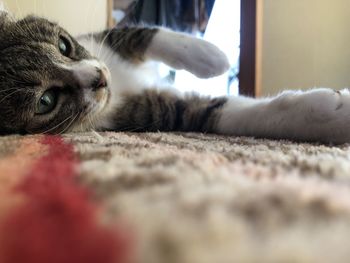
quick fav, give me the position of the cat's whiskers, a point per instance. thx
(87, 122)
(109, 56)
(58, 125)
(103, 42)
(26, 29)
(25, 24)
(93, 126)
(105, 56)
(17, 26)
(70, 124)
(121, 39)
(115, 45)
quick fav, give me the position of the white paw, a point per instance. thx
(323, 114)
(182, 51)
(203, 58)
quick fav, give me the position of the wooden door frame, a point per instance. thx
(110, 19)
(250, 55)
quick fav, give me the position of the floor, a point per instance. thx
(174, 197)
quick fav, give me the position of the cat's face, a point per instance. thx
(48, 82)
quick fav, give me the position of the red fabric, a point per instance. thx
(57, 222)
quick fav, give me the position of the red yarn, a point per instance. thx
(58, 223)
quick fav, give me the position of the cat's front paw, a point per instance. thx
(321, 115)
(204, 59)
(182, 51)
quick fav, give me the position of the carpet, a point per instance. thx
(172, 197)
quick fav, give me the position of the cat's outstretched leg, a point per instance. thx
(178, 50)
(319, 115)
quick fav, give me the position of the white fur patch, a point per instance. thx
(86, 71)
(126, 77)
(182, 51)
(321, 115)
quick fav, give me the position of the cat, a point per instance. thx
(51, 82)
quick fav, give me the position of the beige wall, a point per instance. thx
(305, 43)
(77, 16)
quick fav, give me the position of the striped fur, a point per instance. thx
(131, 43)
(154, 110)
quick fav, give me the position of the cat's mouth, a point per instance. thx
(95, 108)
(93, 111)
(96, 98)
(99, 92)
(103, 91)
(102, 97)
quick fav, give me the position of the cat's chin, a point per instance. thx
(102, 99)
(102, 95)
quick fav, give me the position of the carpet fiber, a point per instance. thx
(174, 198)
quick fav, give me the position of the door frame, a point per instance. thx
(250, 54)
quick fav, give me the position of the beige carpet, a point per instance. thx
(191, 198)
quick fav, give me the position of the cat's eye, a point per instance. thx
(47, 102)
(64, 46)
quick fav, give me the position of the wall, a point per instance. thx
(77, 16)
(305, 43)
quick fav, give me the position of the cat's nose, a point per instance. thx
(101, 81)
(88, 74)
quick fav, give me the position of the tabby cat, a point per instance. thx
(51, 82)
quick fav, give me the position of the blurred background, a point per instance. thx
(304, 44)
(272, 44)
(77, 16)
